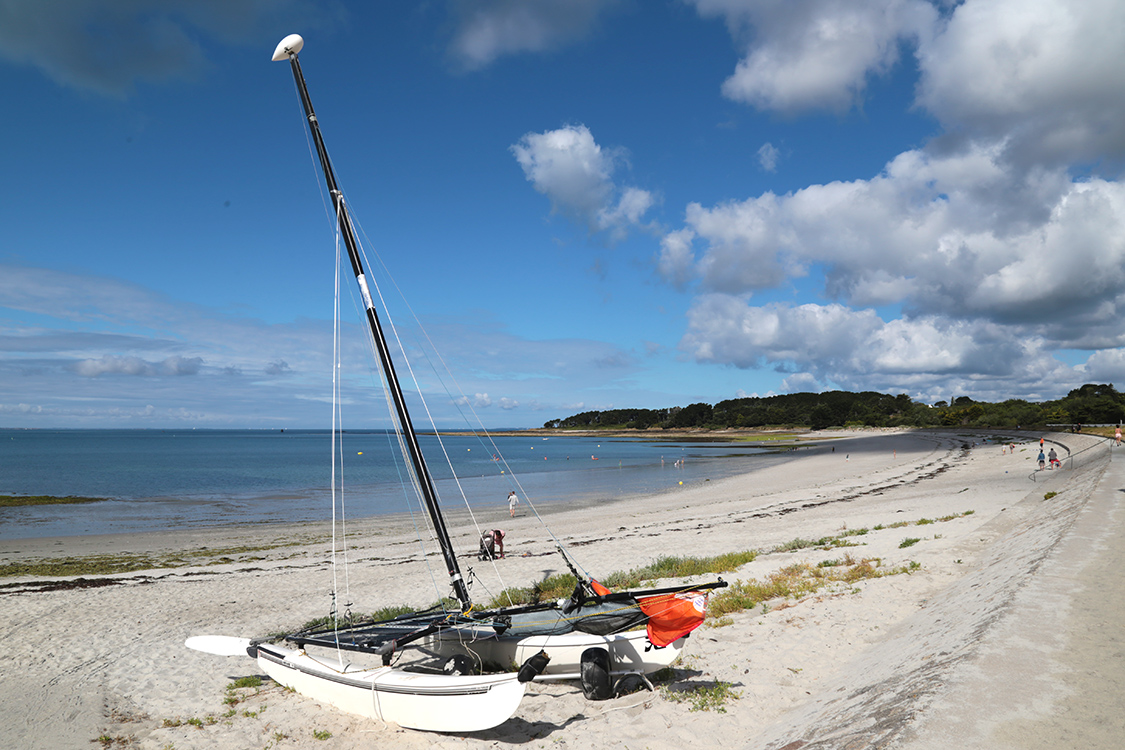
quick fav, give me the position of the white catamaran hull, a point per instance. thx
(629, 653)
(431, 702)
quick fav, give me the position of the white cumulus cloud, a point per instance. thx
(569, 167)
(802, 55)
(990, 247)
(489, 29)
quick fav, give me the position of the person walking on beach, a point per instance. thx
(513, 501)
(1042, 460)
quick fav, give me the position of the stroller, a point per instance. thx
(487, 546)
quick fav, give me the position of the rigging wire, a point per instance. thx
(458, 402)
(314, 164)
(334, 434)
(338, 419)
(426, 407)
(411, 479)
(313, 160)
(337, 451)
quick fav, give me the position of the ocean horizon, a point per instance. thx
(158, 479)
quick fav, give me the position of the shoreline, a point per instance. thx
(577, 498)
(217, 541)
(790, 665)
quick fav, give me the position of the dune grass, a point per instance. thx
(796, 581)
(561, 586)
(711, 697)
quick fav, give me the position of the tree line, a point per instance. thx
(1090, 404)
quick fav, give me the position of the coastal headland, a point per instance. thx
(993, 621)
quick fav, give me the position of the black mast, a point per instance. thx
(288, 48)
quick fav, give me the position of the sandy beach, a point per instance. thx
(1005, 633)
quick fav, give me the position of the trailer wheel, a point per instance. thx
(595, 674)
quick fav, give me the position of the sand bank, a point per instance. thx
(887, 662)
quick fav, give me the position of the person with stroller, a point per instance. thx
(1053, 458)
(491, 545)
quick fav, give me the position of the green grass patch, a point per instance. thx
(825, 542)
(909, 541)
(240, 689)
(562, 585)
(253, 681)
(386, 613)
(841, 539)
(680, 567)
(796, 581)
(720, 622)
(712, 698)
(790, 582)
(550, 588)
(799, 543)
(389, 613)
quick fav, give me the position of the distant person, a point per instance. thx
(1117, 434)
(1053, 458)
(513, 501)
(1042, 460)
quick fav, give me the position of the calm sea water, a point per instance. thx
(159, 479)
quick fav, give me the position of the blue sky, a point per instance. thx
(587, 204)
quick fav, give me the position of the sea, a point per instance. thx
(164, 479)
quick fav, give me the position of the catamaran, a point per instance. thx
(594, 635)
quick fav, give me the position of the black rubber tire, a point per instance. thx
(595, 674)
(630, 683)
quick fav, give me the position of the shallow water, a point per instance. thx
(160, 479)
